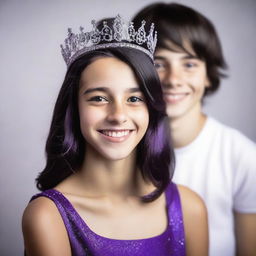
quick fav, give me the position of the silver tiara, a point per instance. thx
(118, 34)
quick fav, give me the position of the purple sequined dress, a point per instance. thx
(84, 242)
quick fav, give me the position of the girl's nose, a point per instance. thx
(117, 113)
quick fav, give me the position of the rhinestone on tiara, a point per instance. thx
(118, 34)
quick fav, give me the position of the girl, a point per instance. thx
(106, 185)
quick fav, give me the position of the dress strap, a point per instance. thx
(170, 193)
(175, 218)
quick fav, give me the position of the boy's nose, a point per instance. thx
(172, 78)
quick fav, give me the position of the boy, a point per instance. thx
(216, 161)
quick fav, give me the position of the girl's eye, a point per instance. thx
(98, 99)
(134, 99)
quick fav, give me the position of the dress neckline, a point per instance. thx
(85, 227)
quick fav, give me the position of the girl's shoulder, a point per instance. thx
(43, 228)
(191, 202)
(40, 210)
(195, 221)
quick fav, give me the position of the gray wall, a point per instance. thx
(32, 71)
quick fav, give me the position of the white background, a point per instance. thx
(32, 71)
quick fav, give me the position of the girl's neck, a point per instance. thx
(187, 127)
(100, 177)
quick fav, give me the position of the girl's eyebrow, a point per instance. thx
(100, 89)
(105, 89)
(135, 89)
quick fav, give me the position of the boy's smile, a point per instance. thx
(173, 98)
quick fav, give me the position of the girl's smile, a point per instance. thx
(116, 135)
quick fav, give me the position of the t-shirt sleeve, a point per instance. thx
(244, 189)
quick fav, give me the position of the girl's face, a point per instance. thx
(183, 78)
(112, 109)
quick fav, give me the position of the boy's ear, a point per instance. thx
(207, 83)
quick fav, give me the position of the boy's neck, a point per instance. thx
(186, 128)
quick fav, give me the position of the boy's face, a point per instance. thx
(184, 79)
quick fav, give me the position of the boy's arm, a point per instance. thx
(245, 231)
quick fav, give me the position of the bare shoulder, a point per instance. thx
(43, 229)
(38, 208)
(39, 214)
(195, 222)
(191, 202)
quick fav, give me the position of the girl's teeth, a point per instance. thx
(115, 133)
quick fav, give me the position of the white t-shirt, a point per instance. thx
(220, 165)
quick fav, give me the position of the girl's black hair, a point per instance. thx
(180, 24)
(65, 146)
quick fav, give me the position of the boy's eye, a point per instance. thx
(98, 99)
(190, 65)
(159, 66)
(134, 99)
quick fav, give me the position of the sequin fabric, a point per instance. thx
(85, 242)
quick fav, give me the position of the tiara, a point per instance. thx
(118, 34)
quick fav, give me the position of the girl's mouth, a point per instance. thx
(116, 135)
